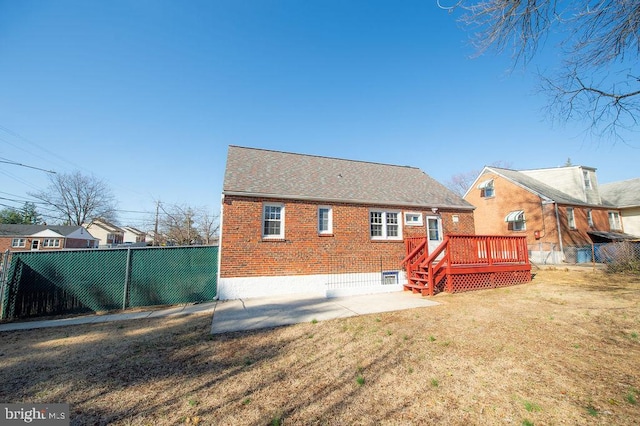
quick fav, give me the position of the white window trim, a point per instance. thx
(587, 180)
(328, 231)
(571, 218)
(408, 222)
(384, 236)
(519, 225)
(516, 217)
(590, 218)
(273, 237)
(21, 242)
(51, 242)
(486, 189)
(616, 223)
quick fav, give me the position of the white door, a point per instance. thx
(434, 232)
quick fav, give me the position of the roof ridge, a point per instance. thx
(324, 156)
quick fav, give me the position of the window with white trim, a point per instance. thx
(51, 242)
(325, 220)
(516, 221)
(18, 242)
(273, 220)
(589, 218)
(614, 221)
(587, 179)
(486, 189)
(413, 219)
(571, 219)
(385, 225)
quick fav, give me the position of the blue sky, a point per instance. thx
(147, 95)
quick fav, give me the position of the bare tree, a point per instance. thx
(208, 225)
(75, 198)
(461, 182)
(599, 42)
(185, 225)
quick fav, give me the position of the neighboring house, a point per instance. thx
(44, 237)
(556, 208)
(133, 235)
(290, 223)
(626, 196)
(108, 234)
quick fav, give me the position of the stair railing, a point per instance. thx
(437, 268)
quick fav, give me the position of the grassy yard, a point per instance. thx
(564, 349)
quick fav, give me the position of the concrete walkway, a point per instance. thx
(253, 314)
(94, 319)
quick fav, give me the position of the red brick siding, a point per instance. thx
(5, 244)
(490, 213)
(303, 251)
(73, 243)
(579, 236)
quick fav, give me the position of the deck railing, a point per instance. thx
(487, 249)
(457, 251)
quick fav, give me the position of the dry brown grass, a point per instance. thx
(564, 349)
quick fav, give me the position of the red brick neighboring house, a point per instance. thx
(44, 237)
(557, 209)
(287, 219)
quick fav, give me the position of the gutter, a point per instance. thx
(342, 200)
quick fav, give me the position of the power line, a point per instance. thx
(17, 179)
(15, 163)
(48, 152)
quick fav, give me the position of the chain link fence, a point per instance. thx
(63, 282)
(617, 256)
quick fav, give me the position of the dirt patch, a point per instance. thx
(564, 349)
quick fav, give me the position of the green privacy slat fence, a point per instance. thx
(61, 282)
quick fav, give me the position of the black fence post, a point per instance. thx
(127, 275)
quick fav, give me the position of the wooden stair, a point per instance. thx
(465, 262)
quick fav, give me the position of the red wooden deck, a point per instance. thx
(466, 262)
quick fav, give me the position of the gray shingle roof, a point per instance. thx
(265, 173)
(10, 230)
(541, 188)
(625, 193)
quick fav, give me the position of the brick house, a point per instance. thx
(294, 223)
(44, 237)
(555, 208)
(626, 196)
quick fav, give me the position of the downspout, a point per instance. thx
(559, 231)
